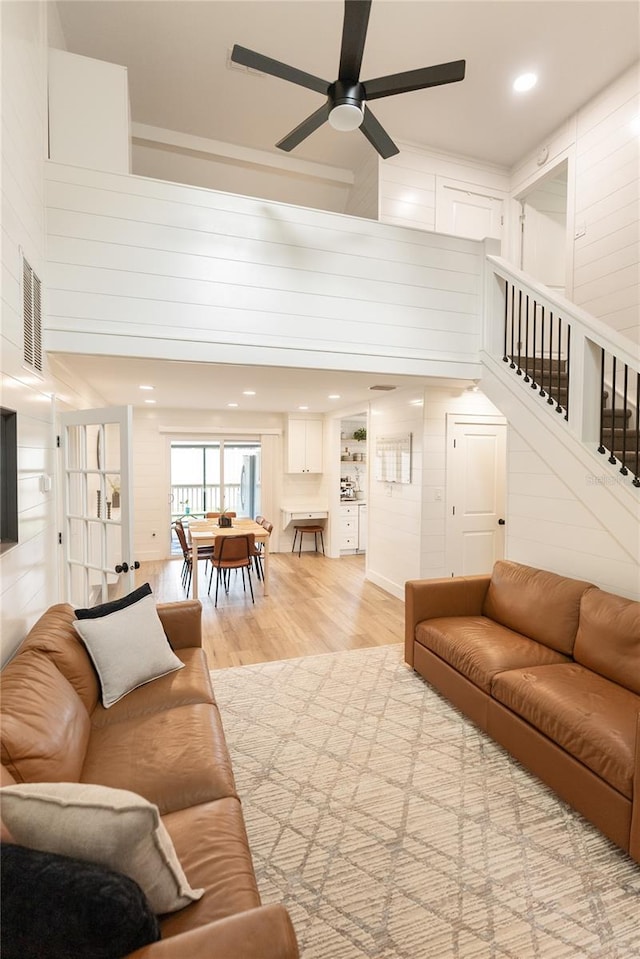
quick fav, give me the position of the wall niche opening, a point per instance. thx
(8, 478)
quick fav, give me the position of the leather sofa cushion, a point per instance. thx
(44, 726)
(211, 843)
(54, 635)
(180, 688)
(479, 648)
(174, 758)
(590, 717)
(608, 639)
(536, 603)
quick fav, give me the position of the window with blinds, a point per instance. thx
(32, 317)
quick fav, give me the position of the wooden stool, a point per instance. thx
(308, 529)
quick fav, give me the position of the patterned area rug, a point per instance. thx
(392, 828)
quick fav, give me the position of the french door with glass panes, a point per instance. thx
(97, 535)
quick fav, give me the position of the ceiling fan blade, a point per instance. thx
(257, 61)
(305, 129)
(378, 136)
(354, 33)
(415, 80)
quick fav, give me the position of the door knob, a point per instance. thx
(501, 522)
(122, 568)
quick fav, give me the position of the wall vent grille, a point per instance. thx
(32, 317)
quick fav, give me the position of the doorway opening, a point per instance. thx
(543, 225)
(212, 477)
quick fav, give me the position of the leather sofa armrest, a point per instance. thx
(182, 622)
(430, 598)
(262, 933)
(634, 837)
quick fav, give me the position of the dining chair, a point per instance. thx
(232, 552)
(259, 547)
(187, 558)
(227, 512)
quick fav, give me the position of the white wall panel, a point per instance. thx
(607, 204)
(302, 280)
(27, 571)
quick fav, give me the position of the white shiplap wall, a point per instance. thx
(394, 509)
(138, 265)
(602, 146)
(28, 582)
(607, 255)
(551, 528)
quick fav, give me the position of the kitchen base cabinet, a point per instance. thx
(351, 535)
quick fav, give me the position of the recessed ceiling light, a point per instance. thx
(143, 387)
(232, 404)
(303, 407)
(526, 81)
(149, 401)
(334, 396)
(248, 392)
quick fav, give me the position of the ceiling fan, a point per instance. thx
(347, 97)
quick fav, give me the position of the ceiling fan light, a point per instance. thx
(345, 117)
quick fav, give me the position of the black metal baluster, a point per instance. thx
(512, 365)
(505, 358)
(612, 458)
(526, 342)
(550, 397)
(623, 468)
(636, 481)
(566, 407)
(602, 448)
(542, 392)
(534, 382)
(519, 371)
(558, 403)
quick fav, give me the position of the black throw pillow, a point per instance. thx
(105, 609)
(55, 907)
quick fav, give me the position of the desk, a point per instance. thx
(202, 533)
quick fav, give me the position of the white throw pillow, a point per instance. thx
(112, 827)
(128, 648)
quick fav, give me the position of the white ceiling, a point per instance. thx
(209, 386)
(176, 53)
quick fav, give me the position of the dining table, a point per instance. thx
(203, 533)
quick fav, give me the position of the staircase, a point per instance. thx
(550, 378)
(537, 347)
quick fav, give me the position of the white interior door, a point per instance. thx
(476, 466)
(97, 536)
(468, 211)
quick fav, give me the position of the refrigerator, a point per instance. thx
(250, 485)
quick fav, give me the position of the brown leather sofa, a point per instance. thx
(549, 667)
(163, 741)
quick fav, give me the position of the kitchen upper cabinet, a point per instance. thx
(304, 446)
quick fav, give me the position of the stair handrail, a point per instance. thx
(600, 333)
(565, 363)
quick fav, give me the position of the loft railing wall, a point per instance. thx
(568, 360)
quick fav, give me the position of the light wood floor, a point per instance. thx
(315, 605)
